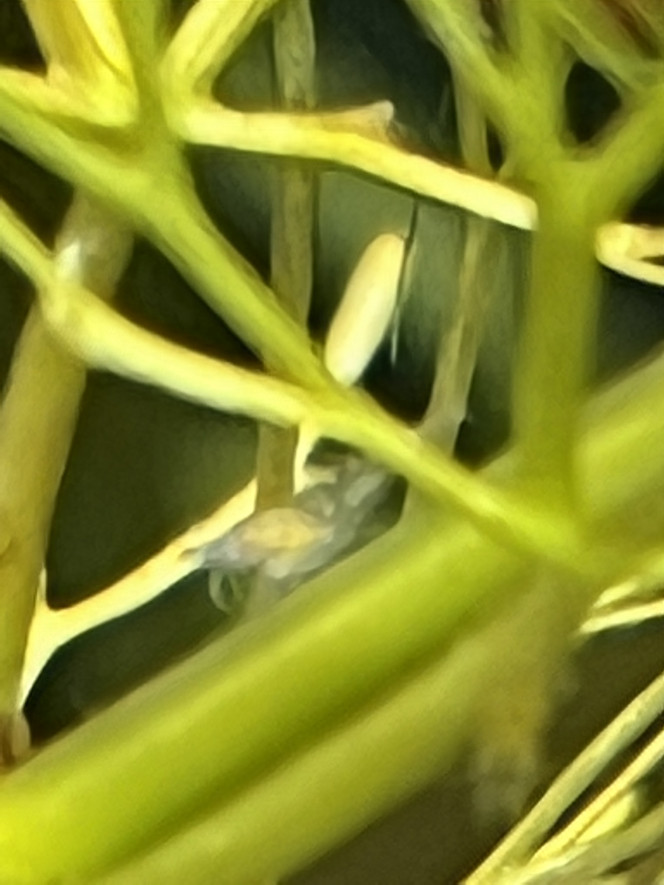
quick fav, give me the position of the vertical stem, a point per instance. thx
(457, 352)
(275, 461)
(37, 422)
(291, 247)
(556, 341)
(459, 343)
(292, 232)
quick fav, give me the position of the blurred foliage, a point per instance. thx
(145, 466)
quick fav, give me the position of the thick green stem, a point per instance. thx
(557, 343)
(37, 423)
(390, 748)
(375, 618)
(311, 803)
(236, 710)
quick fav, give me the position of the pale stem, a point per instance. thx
(37, 422)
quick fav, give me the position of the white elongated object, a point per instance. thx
(366, 308)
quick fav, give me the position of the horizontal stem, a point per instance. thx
(93, 167)
(317, 138)
(320, 137)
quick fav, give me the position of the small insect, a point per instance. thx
(288, 545)
(266, 537)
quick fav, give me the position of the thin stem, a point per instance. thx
(460, 31)
(291, 239)
(319, 138)
(576, 778)
(508, 518)
(592, 861)
(83, 163)
(230, 285)
(644, 762)
(458, 348)
(291, 235)
(184, 232)
(629, 156)
(597, 37)
(37, 421)
(275, 467)
(459, 344)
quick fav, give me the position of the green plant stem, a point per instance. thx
(459, 343)
(557, 341)
(107, 340)
(458, 28)
(507, 517)
(225, 279)
(316, 138)
(316, 793)
(129, 184)
(291, 234)
(629, 156)
(597, 36)
(291, 241)
(81, 154)
(363, 624)
(203, 726)
(275, 465)
(37, 422)
(473, 134)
